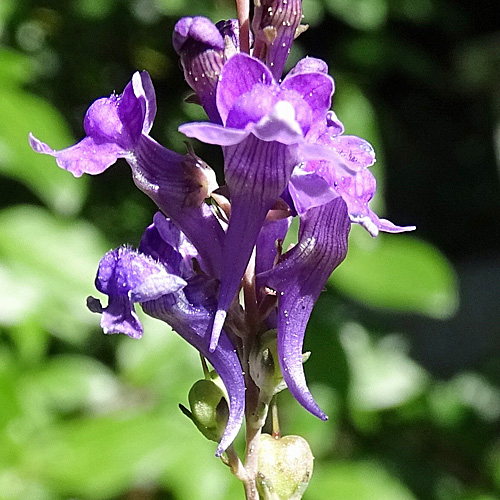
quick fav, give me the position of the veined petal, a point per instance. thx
(257, 172)
(309, 190)
(299, 280)
(240, 73)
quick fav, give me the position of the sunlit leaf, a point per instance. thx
(361, 14)
(22, 113)
(355, 481)
(382, 374)
(397, 272)
(55, 259)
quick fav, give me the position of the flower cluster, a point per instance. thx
(285, 156)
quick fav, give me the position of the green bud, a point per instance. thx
(264, 366)
(285, 467)
(209, 409)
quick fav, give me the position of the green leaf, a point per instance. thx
(56, 260)
(16, 68)
(22, 113)
(397, 272)
(355, 481)
(70, 383)
(383, 375)
(360, 14)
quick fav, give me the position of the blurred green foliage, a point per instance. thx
(92, 417)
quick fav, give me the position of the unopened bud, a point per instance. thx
(209, 409)
(201, 49)
(275, 23)
(285, 466)
(264, 366)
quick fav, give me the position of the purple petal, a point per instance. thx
(199, 29)
(118, 317)
(280, 125)
(308, 65)
(309, 190)
(240, 73)
(266, 252)
(357, 152)
(389, 227)
(252, 106)
(299, 280)
(144, 90)
(113, 126)
(356, 190)
(85, 157)
(212, 133)
(257, 172)
(126, 272)
(167, 244)
(315, 88)
(191, 319)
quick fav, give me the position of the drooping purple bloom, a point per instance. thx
(298, 279)
(263, 131)
(161, 277)
(118, 127)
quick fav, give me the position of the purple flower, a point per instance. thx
(298, 279)
(316, 182)
(118, 127)
(161, 277)
(263, 132)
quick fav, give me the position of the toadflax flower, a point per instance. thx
(161, 277)
(118, 127)
(264, 125)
